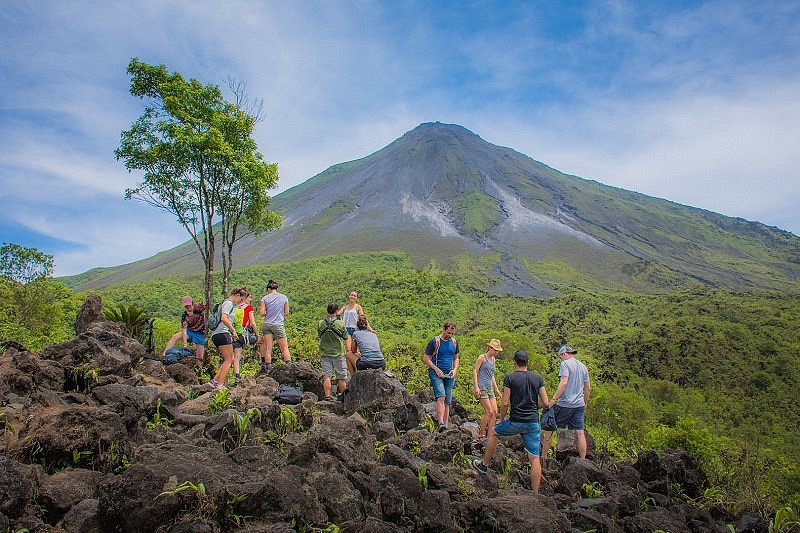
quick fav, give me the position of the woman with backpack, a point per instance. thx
(242, 318)
(274, 307)
(486, 389)
(224, 334)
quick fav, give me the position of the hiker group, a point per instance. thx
(348, 343)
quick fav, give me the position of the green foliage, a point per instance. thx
(244, 424)
(199, 490)
(287, 422)
(158, 419)
(592, 490)
(199, 160)
(37, 314)
(785, 520)
(24, 265)
(422, 475)
(133, 318)
(220, 401)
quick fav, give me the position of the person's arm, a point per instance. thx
(454, 370)
(496, 388)
(543, 396)
(227, 321)
(185, 337)
(262, 309)
(587, 388)
(506, 403)
(559, 391)
(286, 308)
(475, 369)
(251, 320)
(426, 358)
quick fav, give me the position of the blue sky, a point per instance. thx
(696, 102)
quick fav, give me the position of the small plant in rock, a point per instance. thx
(272, 439)
(422, 476)
(462, 459)
(159, 419)
(505, 471)
(415, 446)
(287, 422)
(231, 517)
(786, 519)
(380, 447)
(198, 488)
(78, 455)
(5, 424)
(244, 424)
(428, 424)
(592, 490)
(220, 401)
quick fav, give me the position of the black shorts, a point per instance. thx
(367, 365)
(221, 339)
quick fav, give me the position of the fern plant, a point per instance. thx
(134, 319)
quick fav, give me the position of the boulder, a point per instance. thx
(74, 435)
(90, 312)
(682, 468)
(583, 519)
(514, 511)
(382, 397)
(82, 518)
(132, 404)
(567, 445)
(63, 490)
(658, 520)
(577, 473)
(22, 373)
(649, 466)
(343, 438)
(16, 490)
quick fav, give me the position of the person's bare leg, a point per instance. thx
(536, 473)
(226, 351)
(283, 344)
(491, 445)
(266, 348)
(580, 442)
(547, 439)
(172, 342)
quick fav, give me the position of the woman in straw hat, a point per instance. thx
(486, 389)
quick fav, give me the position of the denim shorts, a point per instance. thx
(442, 387)
(196, 337)
(569, 417)
(350, 331)
(531, 433)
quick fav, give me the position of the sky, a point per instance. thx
(695, 102)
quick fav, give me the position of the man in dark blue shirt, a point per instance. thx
(441, 358)
(522, 390)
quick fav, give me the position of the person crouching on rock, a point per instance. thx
(521, 390)
(332, 333)
(441, 358)
(369, 354)
(224, 335)
(486, 387)
(192, 329)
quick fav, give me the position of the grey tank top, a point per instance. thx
(485, 374)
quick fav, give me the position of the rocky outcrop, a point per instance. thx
(134, 446)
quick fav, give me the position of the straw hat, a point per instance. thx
(495, 344)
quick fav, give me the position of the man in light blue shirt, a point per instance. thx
(570, 399)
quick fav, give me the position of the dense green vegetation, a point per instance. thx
(710, 371)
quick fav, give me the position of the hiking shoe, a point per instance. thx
(214, 384)
(442, 428)
(264, 370)
(327, 399)
(478, 465)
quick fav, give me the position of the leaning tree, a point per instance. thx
(200, 162)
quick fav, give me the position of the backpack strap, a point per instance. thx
(328, 327)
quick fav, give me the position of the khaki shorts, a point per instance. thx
(331, 365)
(276, 330)
(487, 393)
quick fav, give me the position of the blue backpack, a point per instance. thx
(173, 355)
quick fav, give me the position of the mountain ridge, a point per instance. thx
(440, 190)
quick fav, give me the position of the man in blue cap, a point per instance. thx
(570, 399)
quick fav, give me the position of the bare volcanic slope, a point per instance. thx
(441, 191)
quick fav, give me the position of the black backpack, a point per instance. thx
(288, 394)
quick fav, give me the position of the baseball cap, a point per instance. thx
(495, 343)
(187, 300)
(521, 356)
(566, 349)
